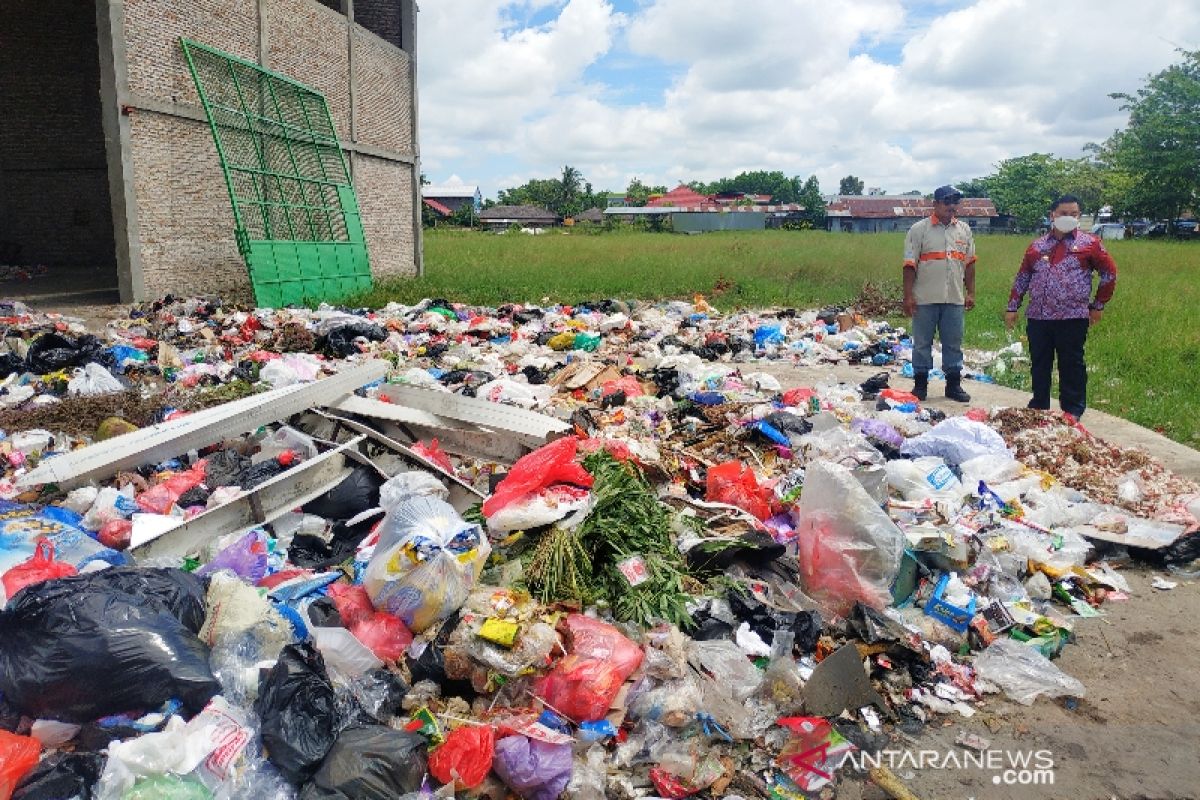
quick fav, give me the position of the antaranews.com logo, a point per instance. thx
(1008, 767)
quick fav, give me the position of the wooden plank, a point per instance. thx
(201, 429)
(262, 504)
(493, 416)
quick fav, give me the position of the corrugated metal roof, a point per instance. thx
(449, 191)
(438, 207)
(884, 207)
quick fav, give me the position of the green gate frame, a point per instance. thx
(296, 217)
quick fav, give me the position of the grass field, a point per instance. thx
(1144, 357)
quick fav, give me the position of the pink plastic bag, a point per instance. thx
(116, 534)
(159, 498)
(433, 452)
(352, 602)
(40, 567)
(628, 385)
(584, 683)
(385, 634)
(735, 483)
(554, 463)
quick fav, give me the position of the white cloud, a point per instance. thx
(903, 97)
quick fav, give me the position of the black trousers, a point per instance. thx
(1062, 339)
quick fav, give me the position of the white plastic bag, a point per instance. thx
(425, 563)
(408, 485)
(93, 379)
(847, 546)
(1024, 673)
(957, 439)
(925, 479)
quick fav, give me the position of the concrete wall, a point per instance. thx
(54, 203)
(183, 233)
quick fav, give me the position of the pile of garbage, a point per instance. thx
(590, 551)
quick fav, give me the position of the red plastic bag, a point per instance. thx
(899, 396)
(584, 683)
(618, 450)
(352, 602)
(798, 396)
(554, 463)
(735, 483)
(385, 634)
(116, 533)
(433, 452)
(40, 567)
(465, 757)
(18, 756)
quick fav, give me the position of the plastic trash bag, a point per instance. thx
(584, 683)
(545, 507)
(533, 769)
(465, 758)
(246, 558)
(60, 776)
(370, 762)
(298, 709)
(22, 527)
(41, 567)
(18, 756)
(957, 439)
(93, 379)
(408, 485)
(736, 484)
(847, 546)
(553, 463)
(926, 478)
(729, 667)
(358, 493)
(168, 787)
(348, 340)
(1024, 673)
(425, 563)
(52, 352)
(102, 643)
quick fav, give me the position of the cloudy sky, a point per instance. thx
(905, 94)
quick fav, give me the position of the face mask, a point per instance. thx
(1065, 224)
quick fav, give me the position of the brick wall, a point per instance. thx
(54, 200)
(309, 43)
(382, 100)
(385, 196)
(381, 17)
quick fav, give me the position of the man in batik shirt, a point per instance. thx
(1057, 274)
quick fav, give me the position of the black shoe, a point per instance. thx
(954, 390)
(920, 385)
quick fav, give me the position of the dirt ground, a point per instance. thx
(1133, 737)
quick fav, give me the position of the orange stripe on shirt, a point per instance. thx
(942, 255)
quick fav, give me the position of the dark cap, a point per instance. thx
(944, 193)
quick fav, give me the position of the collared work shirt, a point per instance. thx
(1058, 276)
(940, 254)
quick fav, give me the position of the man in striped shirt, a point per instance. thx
(939, 286)
(1057, 274)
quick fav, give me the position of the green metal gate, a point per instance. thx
(295, 213)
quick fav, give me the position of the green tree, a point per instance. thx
(975, 187)
(638, 193)
(810, 197)
(1157, 157)
(1025, 186)
(850, 185)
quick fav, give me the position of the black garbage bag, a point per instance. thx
(788, 422)
(260, 473)
(765, 620)
(358, 493)
(370, 762)
(431, 665)
(715, 556)
(340, 340)
(195, 496)
(61, 776)
(88, 646)
(298, 709)
(225, 468)
(11, 364)
(323, 613)
(313, 552)
(51, 352)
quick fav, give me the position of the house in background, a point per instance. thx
(879, 214)
(592, 215)
(452, 197)
(499, 218)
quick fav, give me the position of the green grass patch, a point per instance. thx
(1143, 358)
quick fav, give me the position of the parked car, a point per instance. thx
(1109, 230)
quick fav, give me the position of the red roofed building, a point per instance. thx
(881, 213)
(681, 197)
